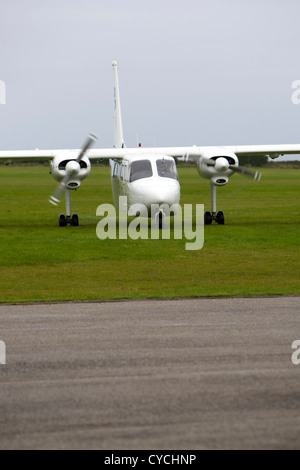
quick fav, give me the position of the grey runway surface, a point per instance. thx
(188, 374)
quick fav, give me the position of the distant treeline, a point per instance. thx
(259, 162)
(293, 164)
(256, 161)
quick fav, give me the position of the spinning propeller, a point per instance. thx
(221, 165)
(72, 170)
(256, 175)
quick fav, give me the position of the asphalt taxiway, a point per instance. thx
(186, 374)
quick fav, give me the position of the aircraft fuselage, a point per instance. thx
(148, 180)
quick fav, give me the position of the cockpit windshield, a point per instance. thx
(167, 169)
(140, 169)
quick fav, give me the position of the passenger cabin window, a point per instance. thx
(116, 170)
(140, 169)
(123, 174)
(167, 169)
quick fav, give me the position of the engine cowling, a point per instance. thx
(215, 165)
(63, 165)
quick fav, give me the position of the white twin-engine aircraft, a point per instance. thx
(146, 176)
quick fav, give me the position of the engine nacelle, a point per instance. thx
(62, 165)
(215, 165)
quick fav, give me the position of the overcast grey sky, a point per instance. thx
(205, 72)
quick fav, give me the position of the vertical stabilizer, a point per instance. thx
(119, 139)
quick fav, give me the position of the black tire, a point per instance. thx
(75, 220)
(220, 218)
(207, 218)
(161, 221)
(62, 220)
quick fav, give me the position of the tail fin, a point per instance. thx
(119, 140)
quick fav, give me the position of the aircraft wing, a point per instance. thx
(194, 153)
(187, 153)
(272, 151)
(93, 154)
(38, 155)
(30, 155)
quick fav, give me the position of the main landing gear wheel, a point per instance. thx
(208, 218)
(64, 221)
(218, 218)
(75, 220)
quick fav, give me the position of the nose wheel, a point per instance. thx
(160, 221)
(64, 221)
(220, 219)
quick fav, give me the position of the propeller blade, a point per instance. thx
(55, 199)
(256, 175)
(91, 139)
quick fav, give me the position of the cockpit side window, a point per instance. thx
(167, 169)
(140, 169)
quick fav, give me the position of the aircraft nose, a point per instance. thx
(162, 197)
(163, 194)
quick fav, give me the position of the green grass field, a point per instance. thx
(255, 253)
